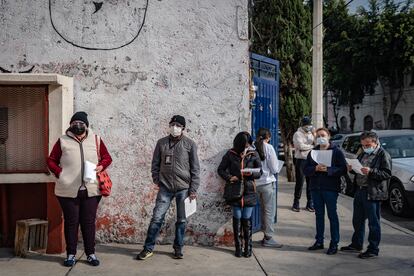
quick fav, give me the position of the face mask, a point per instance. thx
(77, 129)
(307, 128)
(322, 141)
(369, 150)
(175, 131)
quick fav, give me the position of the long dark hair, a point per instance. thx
(262, 134)
(239, 142)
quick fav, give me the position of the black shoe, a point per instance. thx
(92, 260)
(69, 261)
(367, 255)
(350, 248)
(144, 254)
(247, 235)
(332, 250)
(237, 237)
(310, 207)
(295, 207)
(316, 246)
(178, 254)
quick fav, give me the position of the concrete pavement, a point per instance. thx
(295, 230)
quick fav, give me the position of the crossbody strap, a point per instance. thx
(97, 148)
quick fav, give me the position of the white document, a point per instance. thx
(280, 165)
(356, 165)
(190, 206)
(89, 173)
(322, 157)
(250, 170)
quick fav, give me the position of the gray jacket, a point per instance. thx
(176, 166)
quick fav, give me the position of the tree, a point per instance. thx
(282, 29)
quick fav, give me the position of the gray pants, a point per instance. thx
(267, 197)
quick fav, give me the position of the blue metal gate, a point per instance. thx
(265, 109)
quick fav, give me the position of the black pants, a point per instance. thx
(80, 211)
(300, 178)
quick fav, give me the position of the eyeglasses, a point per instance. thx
(176, 124)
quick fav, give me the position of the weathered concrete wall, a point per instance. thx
(190, 58)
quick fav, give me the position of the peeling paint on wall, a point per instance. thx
(188, 60)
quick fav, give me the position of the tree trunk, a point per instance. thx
(290, 167)
(352, 116)
(395, 97)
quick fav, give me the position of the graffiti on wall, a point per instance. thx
(95, 25)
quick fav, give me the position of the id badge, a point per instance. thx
(168, 159)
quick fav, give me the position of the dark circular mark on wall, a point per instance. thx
(94, 25)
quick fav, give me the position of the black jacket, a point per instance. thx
(330, 180)
(379, 175)
(231, 164)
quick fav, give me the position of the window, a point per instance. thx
(368, 123)
(396, 121)
(352, 144)
(23, 128)
(344, 123)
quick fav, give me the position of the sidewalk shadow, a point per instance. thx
(228, 250)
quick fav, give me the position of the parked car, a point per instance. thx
(400, 145)
(338, 139)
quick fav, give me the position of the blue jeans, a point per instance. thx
(245, 212)
(366, 209)
(162, 204)
(320, 200)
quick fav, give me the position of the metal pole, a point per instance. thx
(317, 65)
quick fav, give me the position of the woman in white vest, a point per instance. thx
(78, 199)
(266, 185)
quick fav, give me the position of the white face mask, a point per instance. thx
(175, 131)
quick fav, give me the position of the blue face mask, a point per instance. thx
(369, 150)
(322, 141)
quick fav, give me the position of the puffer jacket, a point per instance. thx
(231, 164)
(176, 165)
(379, 175)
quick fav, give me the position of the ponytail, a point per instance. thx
(262, 134)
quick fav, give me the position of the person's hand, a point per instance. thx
(192, 196)
(234, 178)
(349, 167)
(321, 168)
(99, 168)
(365, 170)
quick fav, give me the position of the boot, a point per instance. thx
(247, 234)
(237, 237)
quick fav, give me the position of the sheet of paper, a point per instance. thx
(356, 165)
(89, 174)
(280, 165)
(190, 206)
(322, 157)
(250, 170)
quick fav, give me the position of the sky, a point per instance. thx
(356, 3)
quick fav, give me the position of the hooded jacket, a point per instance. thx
(303, 142)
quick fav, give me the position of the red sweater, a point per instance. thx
(54, 158)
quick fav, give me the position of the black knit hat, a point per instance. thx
(178, 119)
(80, 116)
(306, 121)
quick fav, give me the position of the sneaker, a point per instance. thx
(178, 254)
(271, 243)
(367, 255)
(144, 254)
(70, 261)
(295, 207)
(316, 246)
(332, 250)
(92, 260)
(310, 207)
(350, 248)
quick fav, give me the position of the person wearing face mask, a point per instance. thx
(242, 155)
(371, 189)
(176, 172)
(325, 184)
(78, 199)
(303, 141)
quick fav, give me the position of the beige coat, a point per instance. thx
(303, 142)
(74, 154)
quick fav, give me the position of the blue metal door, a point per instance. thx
(265, 111)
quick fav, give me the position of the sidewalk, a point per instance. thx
(294, 230)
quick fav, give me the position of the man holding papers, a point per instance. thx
(371, 181)
(176, 171)
(324, 166)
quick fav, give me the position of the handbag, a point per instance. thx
(233, 191)
(104, 181)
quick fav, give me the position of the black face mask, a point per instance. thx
(78, 130)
